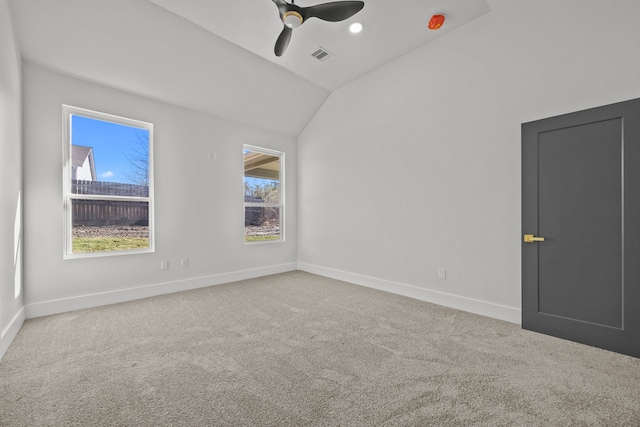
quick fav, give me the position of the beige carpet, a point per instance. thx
(300, 350)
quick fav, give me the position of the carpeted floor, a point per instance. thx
(301, 350)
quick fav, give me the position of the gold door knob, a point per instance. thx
(530, 238)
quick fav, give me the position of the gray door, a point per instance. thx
(581, 194)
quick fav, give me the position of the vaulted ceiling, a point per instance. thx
(391, 29)
(217, 56)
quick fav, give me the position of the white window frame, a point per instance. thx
(281, 205)
(67, 112)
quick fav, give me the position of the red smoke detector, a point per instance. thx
(436, 22)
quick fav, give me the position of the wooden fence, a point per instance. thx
(109, 212)
(79, 186)
(257, 215)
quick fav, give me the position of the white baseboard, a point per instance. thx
(46, 308)
(9, 333)
(484, 308)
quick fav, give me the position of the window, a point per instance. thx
(108, 184)
(263, 195)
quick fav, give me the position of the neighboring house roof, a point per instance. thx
(79, 154)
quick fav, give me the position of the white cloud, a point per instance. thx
(107, 174)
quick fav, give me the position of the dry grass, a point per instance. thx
(101, 244)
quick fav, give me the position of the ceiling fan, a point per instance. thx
(293, 16)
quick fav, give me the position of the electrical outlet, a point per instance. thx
(164, 265)
(442, 274)
(184, 262)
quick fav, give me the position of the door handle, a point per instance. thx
(530, 238)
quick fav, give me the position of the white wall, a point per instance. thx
(11, 295)
(416, 166)
(84, 171)
(198, 201)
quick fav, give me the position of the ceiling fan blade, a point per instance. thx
(334, 11)
(282, 5)
(283, 41)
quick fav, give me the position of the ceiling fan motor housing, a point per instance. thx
(292, 19)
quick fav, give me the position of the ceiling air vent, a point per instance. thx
(322, 54)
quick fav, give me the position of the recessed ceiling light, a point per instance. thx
(356, 27)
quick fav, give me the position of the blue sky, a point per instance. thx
(111, 143)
